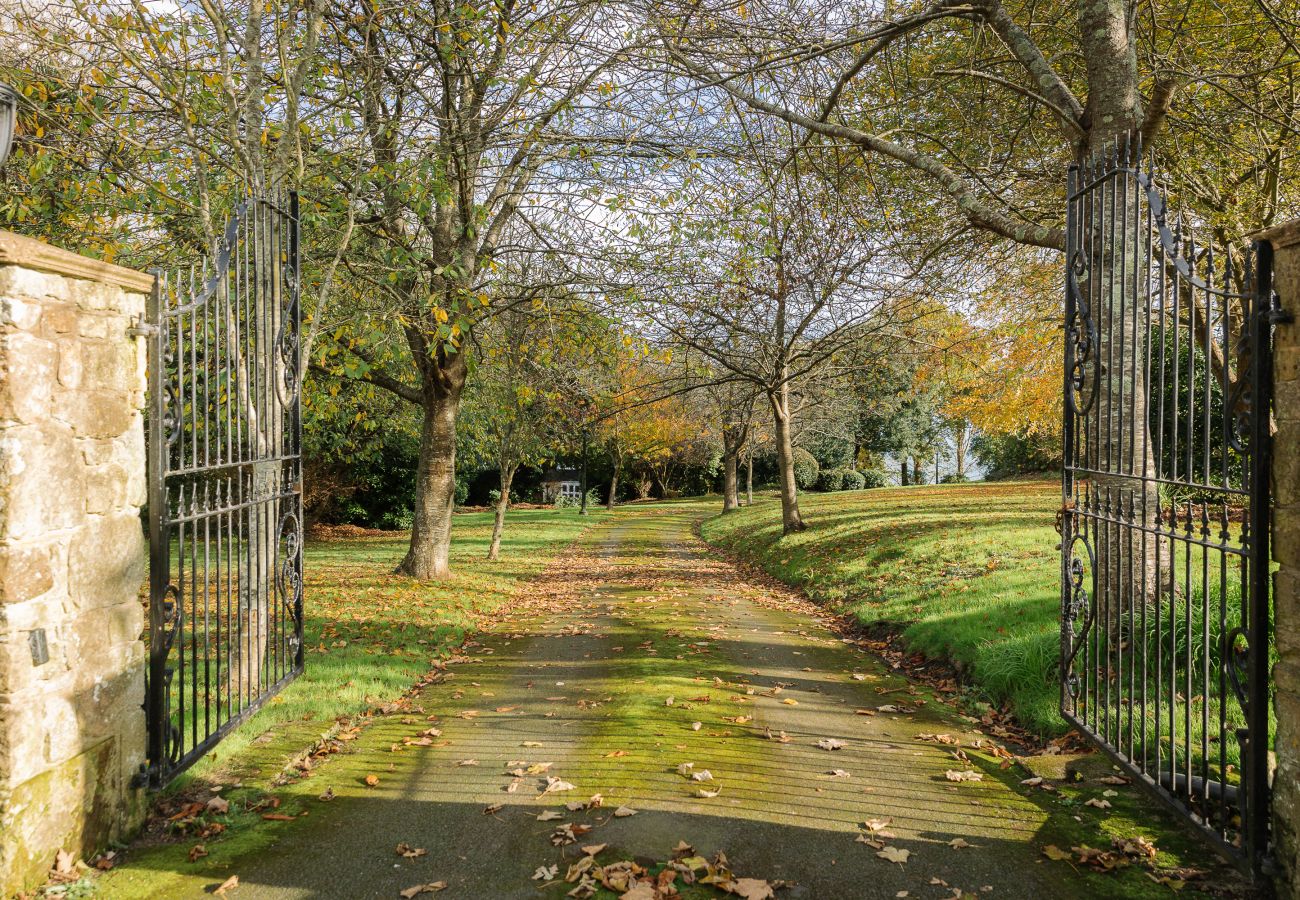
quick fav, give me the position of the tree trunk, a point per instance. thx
(435, 481)
(730, 494)
(1126, 564)
(582, 476)
(902, 472)
(749, 480)
(733, 441)
(265, 413)
(612, 500)
(960, 438)
(791, 520)
(503, 503)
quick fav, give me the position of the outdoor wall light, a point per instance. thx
(8, 117)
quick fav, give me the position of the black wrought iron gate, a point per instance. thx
(224, 492)
(1165, 522)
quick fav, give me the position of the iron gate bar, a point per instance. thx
(224, 486)
(1166, 503)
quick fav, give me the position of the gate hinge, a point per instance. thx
(1276, 314)
(141, 328)
(1068, 508)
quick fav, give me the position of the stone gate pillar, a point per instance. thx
(1286, 552)
(72, 556)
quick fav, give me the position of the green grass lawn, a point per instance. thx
(968, 572)
(370, 634)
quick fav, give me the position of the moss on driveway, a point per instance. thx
(640, 665)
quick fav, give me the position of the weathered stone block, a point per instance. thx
(101, 327)
(106, 489)
(92, 295)
(26, 571)
(1286, 466)
(30, 284)
(1286, 535)
(94, 413)
(78, 805)
(58, 319)
(19, 312)
(1286, 357)
(43, 475)
(106, 560)
(70, 365)
(29, 365)
(108, 364)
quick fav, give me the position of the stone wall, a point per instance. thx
(1286, 551)
(72, 556)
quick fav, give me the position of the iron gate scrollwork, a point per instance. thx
(1165, 519)
(224, 485)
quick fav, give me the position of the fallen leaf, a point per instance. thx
(219, 805)
(406, 850)
(894, 855)
(1051, 851)
(752, 889)
(63, 862)
(431, 888)
(594, 849)
(371, 780)
(958, 844)
(197, 852)
(492, 808)
(706, 795)
(546, 873)
(228, 885)
(555, 785)
(549, 815)
(623, 812)
(967, 775)
(830, 744)
(1097, 802)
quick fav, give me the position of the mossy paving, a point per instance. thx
(581, 676)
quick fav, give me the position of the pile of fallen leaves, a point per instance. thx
(633, 881)
(1124, 852)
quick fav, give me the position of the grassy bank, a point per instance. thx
(371, 634)
(969, 572)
